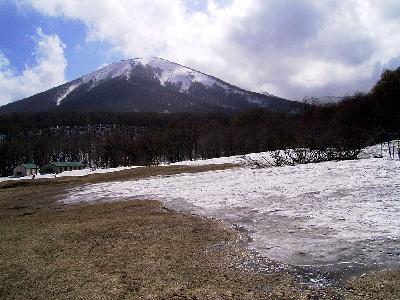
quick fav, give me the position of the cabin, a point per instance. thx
(58, 167)
(25, 170)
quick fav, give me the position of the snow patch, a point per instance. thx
(66, 93)
(78, 173)
(120, 69)
(175, 73)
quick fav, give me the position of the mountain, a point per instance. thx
(155, 85)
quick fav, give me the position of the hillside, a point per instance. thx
(157, 85)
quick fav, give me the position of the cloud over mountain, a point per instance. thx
(289, 48)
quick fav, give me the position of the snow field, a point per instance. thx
(316, 214)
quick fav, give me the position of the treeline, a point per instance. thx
(357, 121)
(17, 122)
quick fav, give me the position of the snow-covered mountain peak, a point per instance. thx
(166, 72)
(118, 69)
(169, 74)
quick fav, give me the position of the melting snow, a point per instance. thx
(320, 214)
(83, 172)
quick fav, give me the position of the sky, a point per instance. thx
(290, 48)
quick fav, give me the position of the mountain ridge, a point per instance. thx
(153, 85)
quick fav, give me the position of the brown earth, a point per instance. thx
(383, 285)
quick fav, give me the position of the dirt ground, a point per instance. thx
(135, 250)
(376, 285)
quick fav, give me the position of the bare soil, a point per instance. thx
(383, 285)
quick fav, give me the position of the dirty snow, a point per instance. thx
(322, 214)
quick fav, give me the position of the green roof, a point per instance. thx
(29, 166)
(67, 164)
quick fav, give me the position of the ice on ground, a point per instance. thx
(314, 214)
(83, 172)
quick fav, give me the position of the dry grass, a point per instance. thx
(126, 250)
(375, 286)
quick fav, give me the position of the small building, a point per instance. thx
(58, 167)
(25, 170)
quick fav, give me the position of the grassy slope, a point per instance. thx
(123, 250)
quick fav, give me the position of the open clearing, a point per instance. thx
(328, 215)
(122, 250)
(136, 249)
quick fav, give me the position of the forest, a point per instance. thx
(111, 139)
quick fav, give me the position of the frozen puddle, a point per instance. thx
(323, 214)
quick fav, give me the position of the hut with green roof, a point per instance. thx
(25, 170)
(61, 166)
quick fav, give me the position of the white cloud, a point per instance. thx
(48, 71)
(293, 48)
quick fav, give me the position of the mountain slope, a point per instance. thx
(155, 85)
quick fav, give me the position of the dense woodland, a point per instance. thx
(110, 139)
